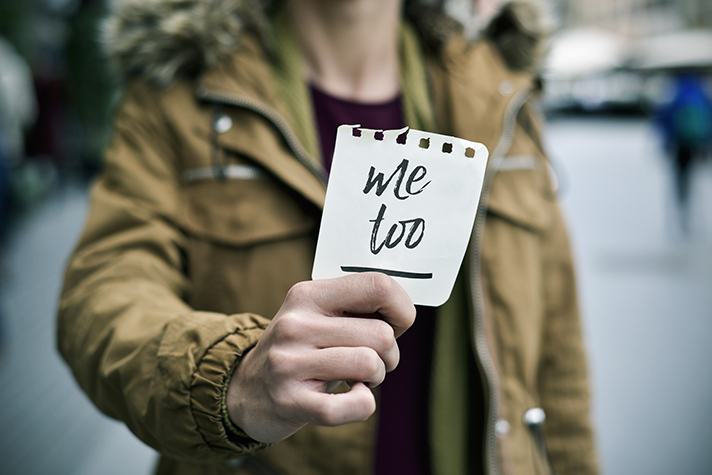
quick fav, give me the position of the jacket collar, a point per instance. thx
(244, 84)
(472, 90)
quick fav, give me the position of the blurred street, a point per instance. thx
(645, 295)
(51, 427)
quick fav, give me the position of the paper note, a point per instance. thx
(403, 209)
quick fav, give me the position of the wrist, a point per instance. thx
(229, 411)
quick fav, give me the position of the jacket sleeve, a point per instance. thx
(563, 374)
(136, 348)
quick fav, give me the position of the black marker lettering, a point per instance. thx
(389, 241)
(378, 180)
(374, 234)
(417, 222)
(416, 177)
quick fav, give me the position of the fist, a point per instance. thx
(341, 329)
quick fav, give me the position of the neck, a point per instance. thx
(350, 46)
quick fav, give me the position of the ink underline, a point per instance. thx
(392, 273)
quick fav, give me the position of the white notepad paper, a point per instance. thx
(403, 209)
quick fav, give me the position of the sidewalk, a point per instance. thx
(646, 295)
(49, 425)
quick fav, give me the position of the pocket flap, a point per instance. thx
(242, 211)
(521, 193)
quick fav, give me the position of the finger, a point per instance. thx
(372, 333)
(344, 364)
(359, 294)
(356, 405)
(320, 332)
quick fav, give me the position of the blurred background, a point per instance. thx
(626, 96)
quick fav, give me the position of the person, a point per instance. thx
(18, 108)
(686, 126)
(188, 311)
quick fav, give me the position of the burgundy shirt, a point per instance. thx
(402, 441)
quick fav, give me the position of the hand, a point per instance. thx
(341, 329)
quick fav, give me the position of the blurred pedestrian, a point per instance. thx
(89, 86)
(18, 110)
(686, 123)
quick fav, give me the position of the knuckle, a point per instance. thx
(396, 358)
(299, 292)
(363, 407)
(288, 327)
(383, 336)
(328, 414)
(369, 362)
(335, 412)
(369, 404)
(413, 313)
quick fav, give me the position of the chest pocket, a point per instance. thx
(521, 193)
(245, 208)
(250, 239)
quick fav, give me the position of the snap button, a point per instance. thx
(223, 124)
(506, 88)
(534, 416)
(501, 428)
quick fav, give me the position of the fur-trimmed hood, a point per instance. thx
(164, 40)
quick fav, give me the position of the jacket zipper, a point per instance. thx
(275, 118)
(479, 337)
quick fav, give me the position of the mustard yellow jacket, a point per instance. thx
(207, 213)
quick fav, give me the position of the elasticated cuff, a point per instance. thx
(208, 389)
(233, 432)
